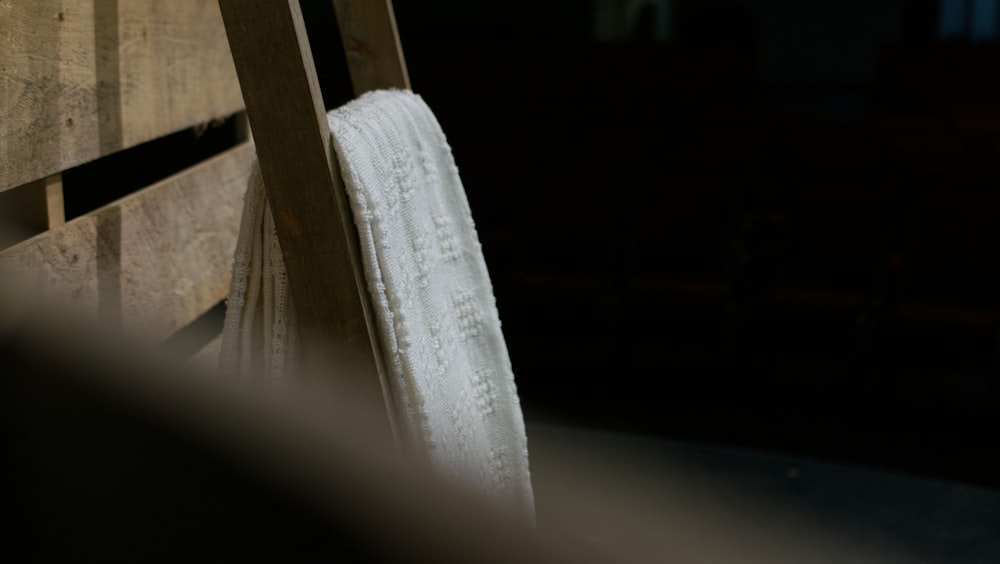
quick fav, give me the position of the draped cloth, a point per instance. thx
(437, 319)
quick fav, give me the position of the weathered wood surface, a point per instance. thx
(318, 239)
(371, 43)
(84, 78)
(152, 261)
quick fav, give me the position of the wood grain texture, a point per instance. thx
(152, 261)
(80, 79)
(371, 43)
(318, 239)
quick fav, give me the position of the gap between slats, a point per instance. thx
(84, 80)
(31, 209)
(150, 262)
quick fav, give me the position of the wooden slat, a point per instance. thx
(154, 260)
(84, 78)
(371, 42)
(317, 236)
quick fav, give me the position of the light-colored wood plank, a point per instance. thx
(55, 208)
(371, 42)
(152, 261)
(318, 240)
(84, 78)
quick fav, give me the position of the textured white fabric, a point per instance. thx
(433, 299)
(259, 335)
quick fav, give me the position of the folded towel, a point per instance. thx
(433, 300)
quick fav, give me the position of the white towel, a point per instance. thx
(432, 295)
(259, 336)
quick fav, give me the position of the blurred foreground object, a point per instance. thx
(119, 455)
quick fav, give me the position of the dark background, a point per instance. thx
(760, 223)
(757, 223)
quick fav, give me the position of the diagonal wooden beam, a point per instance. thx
(318, 240)
(371, 43)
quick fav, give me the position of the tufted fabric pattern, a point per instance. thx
(434, 304)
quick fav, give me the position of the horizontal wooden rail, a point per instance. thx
(80, 79)
(153, 261)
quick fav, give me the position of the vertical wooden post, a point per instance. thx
(37, 205)
(55, 210)
(318, 240)
(243, 132)
(30, 209)
(371, 42)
